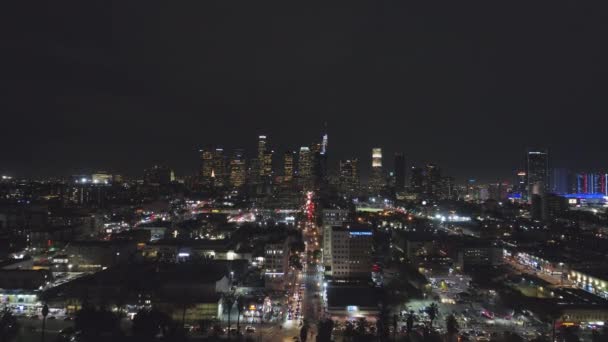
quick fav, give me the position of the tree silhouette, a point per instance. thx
(349, 330)
(147, 324)
(410, 322)
(324, 329)
(229, 302)
(96, 325)
(8, 326)
(304, 333)
(240, 307)
(451, 327)
(432, 310)
(570, 335)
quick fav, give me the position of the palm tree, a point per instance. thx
(451, 327)
(410, 322)
(360, 329)
(432, 310)
(239, 309)
(8, 326)
(229, 301)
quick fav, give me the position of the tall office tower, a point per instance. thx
(319, 162)
(219, 168)
(538, 171)
(238, 171)
(305, 167)
(521, 184)
(288, 165)
(604, 184)
(350, 256)
(268, 164)
(207, 155)
(261, 147)
(432, 180)
(560, 181)
(324, 142)
(253, 171)
(416, 180)
(262, 151)
(447, 186)
(158, 175)
(399, 171)
(315, 153)
(376, 181)
(349, 176)
(498, 191)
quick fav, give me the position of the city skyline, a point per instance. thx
(418, 81)
(294, 171)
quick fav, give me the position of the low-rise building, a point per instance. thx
(351, 253)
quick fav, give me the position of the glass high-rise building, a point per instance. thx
(399, 171)
(288, 165)
(376, 181)
(349, 176)
(537, 162)
(219, 173)
(305, 166)
(206, 172)
(238, 170)
(264, 160)
(416, 180)
(560, 181)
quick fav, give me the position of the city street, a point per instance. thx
(31, 329)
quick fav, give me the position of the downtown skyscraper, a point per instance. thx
(349, 176)
(399, 171)
(376, 181)
(537, 164)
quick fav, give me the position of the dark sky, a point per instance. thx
(121, 87)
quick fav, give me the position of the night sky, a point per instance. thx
(122, 87)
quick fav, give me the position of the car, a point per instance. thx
(33, 317)
(249, 329)
(68, 318)
(67, 331)
(51, 317)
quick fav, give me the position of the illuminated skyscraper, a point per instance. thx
(237, 169)
(262, 155)
(305, 167)
(399, 171)
(521, 183)
(206, 165)
(261, 147)
(538, 171)
(324, 144)
(219, 168)
(320, 161)
(560, 181)
(288, 165)
(376, 182)
(349, 176)
(416, 180)
(432, 181)
(268, 164)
